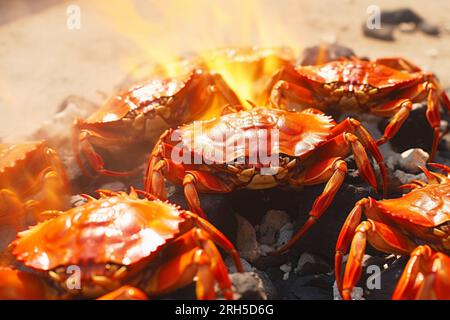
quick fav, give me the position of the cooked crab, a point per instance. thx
(118, 239)
(32, 179)
(228, 153)
(385, 87)
(132, 120)
(398, 226)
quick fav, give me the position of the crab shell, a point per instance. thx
(288, 134)
(359, 75)
(423, 213)
(99, 237)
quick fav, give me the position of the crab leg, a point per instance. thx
(316, 174)
(381, 236)
(192, 180)
(202, 181)
(402, 105)
(219, 238)
(82, 145)
(192, 255)
(425, 276)
(354, 126)
(288, 86)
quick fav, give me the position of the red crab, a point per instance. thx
(309, 149)
(132, 120)
(386, 87)
(32, 179)
(118, 239)
(398, 226)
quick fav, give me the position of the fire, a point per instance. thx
(165, 30)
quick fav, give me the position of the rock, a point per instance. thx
(401, 18)
(246, 239)
(285, 234)
(311, 264)
(357, 293)
(385, 32)
(404, 178)
(251, 286)
(428, 28)
(232, 268)
(310, 287)
(269, 288)
(413, 158)
(407, 27)
(286, 268)
(270, 225)
(264, 249)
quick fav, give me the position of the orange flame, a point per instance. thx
(163, 30)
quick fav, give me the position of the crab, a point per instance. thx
(32, 179)
(224, 154)
(398, 226)
(385, 87)
(118, 239)
(132, 120)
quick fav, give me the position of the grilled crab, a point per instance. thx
(132, 121)
(398, 226)
(304, 148)
(385, 87)
(32, 179)
(118, 239)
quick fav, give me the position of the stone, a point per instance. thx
(311, 264)
(246, 239)
(250, 286)
(285, 234)
(232, 268)
(270, 225)
(357, 293)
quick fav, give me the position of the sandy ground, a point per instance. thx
(42, 61)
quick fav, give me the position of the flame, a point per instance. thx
(165, 30)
